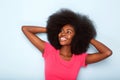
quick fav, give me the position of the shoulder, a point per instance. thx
(48, 46)
(81, 59)
(48, 49)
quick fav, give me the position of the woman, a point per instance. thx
(69, 35)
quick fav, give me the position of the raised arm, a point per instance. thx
(31, 31)
(103, 52)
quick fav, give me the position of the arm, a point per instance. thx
(30, 32)
(103, 52)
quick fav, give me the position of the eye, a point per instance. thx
(69, 31)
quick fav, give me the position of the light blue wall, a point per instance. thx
(20, 60)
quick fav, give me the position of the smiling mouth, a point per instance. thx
(63, 39)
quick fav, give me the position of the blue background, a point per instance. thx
(20, 60)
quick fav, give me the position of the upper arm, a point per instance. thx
(96, 57)
(34, 39)
(103, 52)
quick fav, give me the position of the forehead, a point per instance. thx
(68, 27)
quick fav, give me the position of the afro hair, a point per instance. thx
(84, 29)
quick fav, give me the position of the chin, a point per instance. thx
(64, 44)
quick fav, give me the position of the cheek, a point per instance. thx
(59, 35)
(70, 37)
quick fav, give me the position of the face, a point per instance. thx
(66, 35)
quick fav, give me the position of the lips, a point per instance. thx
(63, 39)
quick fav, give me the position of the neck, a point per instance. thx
(65, 51)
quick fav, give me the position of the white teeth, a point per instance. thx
(63, 38)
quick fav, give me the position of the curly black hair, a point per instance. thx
(84, 29)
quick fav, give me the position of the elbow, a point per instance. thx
(109, 53)
(24, 28)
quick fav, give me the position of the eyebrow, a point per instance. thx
(70, 30)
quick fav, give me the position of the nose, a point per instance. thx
(63, 33)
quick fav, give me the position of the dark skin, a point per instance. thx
(65, 38)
